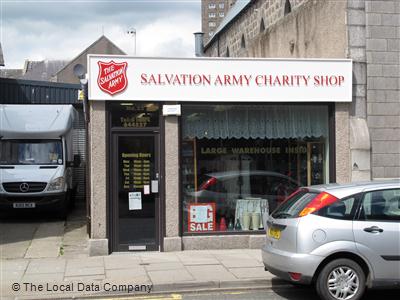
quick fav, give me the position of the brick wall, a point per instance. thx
(383, 84)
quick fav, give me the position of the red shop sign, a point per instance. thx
(201, 217)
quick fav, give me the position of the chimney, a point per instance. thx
(198, 44)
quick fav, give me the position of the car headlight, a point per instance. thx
(57, 184)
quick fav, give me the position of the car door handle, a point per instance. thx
(373, 229)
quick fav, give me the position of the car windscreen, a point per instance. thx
(31, 152)
(294, 205)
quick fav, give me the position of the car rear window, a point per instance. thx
(294, 205)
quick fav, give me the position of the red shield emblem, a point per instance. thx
(112, 77)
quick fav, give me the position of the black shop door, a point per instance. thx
(135, 191)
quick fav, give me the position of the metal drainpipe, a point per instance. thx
(198, 44)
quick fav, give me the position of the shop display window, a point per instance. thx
(239, 162)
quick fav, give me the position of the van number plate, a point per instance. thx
(24, 205)
(274, 233)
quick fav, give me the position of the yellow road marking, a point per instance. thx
(160, 297)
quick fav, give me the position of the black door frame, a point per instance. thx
(114, 185)
(158, 133)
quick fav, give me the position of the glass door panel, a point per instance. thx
(136, 192)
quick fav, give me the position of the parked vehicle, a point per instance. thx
(36, 157)
(342, 238)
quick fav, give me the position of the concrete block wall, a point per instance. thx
(383, 85)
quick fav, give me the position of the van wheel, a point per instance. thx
(341, 279)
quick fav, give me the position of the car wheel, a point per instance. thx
(341, 279)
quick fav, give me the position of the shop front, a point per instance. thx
(195, 153)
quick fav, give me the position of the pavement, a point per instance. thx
(40, 236)
(48, 258)
(132, 274)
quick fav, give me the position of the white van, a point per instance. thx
(36, 157)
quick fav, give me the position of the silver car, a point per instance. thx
(341, 238)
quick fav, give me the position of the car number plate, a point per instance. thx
(24, 205)
(274, 233)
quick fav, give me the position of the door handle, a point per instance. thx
(373, 229)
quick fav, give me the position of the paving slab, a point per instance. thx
(14, 250)
(85, 278)
(46, 266)
(245, 273)
(239, 263)
(119, 262)
(170, 276)
(43, 277)
(12, 275)
(83, 271)
(232, 256)
(14, 264)
(86, 262)
(197, 258)
(210, 272)
(50, 229)
(44, 249)
(164, 266)
(156, 258)
(127, 273)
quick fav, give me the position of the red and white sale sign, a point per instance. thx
(112, 77)
(201, 217)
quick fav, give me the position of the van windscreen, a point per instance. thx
(31, 152)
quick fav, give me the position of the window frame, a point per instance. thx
(359, 216)
(332, 167)
(355, 210)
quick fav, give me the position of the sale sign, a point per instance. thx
(201, 217)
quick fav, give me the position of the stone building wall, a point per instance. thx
(248, 26)
(383, 84)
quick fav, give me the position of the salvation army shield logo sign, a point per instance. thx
(112, 77)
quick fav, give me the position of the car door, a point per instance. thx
(377, 233)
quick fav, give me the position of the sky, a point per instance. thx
(55, 29)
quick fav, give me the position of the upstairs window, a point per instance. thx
(262, 25)
(288, 7)
(243, 42)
